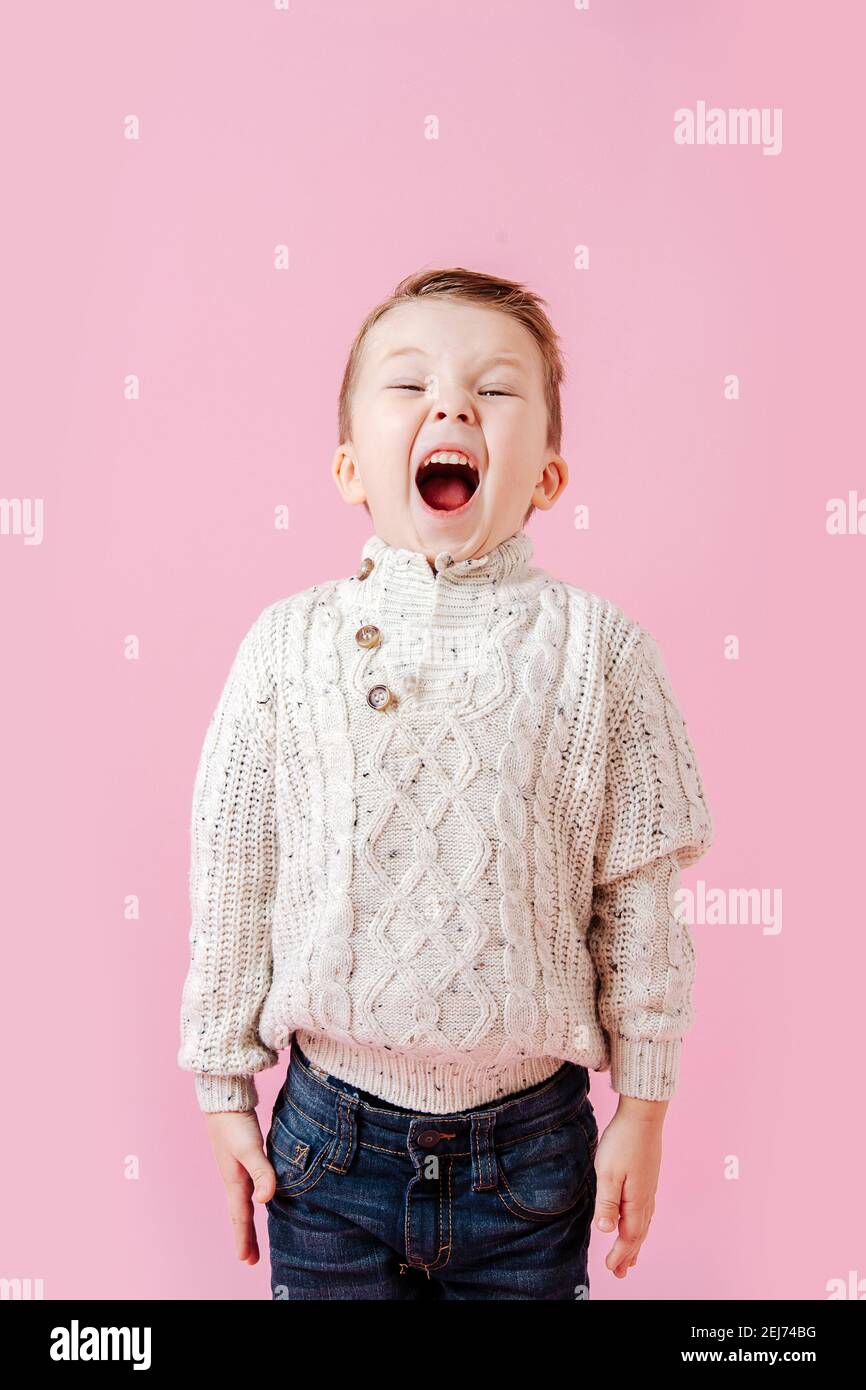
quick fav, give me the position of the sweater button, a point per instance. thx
(379, 697)
(368, 636)
(365, 568)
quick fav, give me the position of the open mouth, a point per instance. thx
(447, 480)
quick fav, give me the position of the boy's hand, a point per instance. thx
(236, 1140)
(627, 1164)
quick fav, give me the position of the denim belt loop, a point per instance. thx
(484, 1174)
(347, 1132)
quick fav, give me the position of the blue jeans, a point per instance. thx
(373, 1201)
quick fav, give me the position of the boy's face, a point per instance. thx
(430, 377)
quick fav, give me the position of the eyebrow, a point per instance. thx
(508, 359)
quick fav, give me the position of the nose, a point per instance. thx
(452, 402)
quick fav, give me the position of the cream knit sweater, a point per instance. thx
(437, 826)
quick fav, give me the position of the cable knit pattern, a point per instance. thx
(437, 829)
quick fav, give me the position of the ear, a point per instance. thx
(552, 483)
(347, 476)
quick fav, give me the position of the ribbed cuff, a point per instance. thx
(225, 1092)
(646, 1069)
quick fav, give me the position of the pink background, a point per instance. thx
(707, 518)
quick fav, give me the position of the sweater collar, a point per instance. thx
(401, 582)
(397, 565)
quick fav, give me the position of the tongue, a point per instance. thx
(446, 493)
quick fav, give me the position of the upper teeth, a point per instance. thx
(445, 456)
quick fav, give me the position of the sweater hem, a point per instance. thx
(432, 1087)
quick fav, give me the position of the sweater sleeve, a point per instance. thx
(655, 821)
(232, 879)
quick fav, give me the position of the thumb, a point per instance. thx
(606, 1215)
(262, 1173)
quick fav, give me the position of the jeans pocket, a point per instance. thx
(546, 1174)
(297, 1147)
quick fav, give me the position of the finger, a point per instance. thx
(633, 1225)
(621, 1253)
(256, 1177)
(238, 1191)
(622, 1269)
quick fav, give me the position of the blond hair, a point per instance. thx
(471, 287)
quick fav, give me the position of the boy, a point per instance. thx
(438, 824)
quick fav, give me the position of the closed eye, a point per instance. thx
(411, 387)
